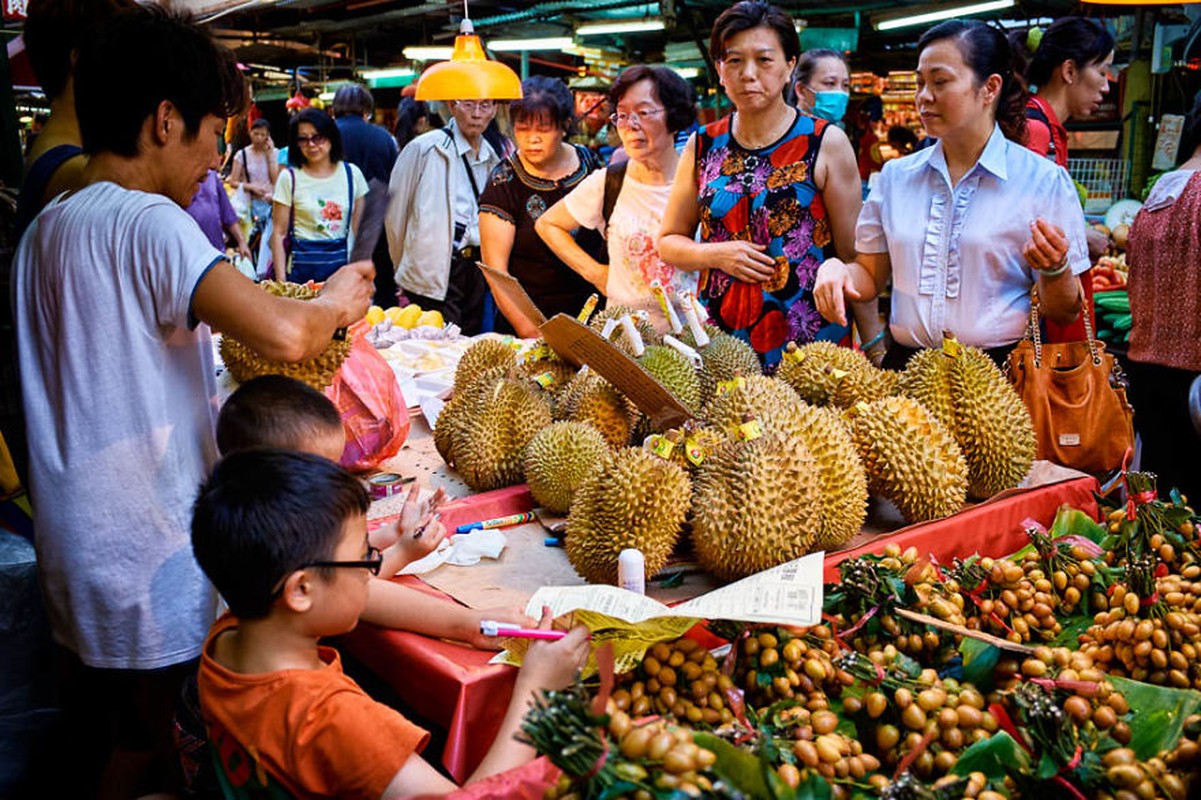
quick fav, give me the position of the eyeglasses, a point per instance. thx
(372, 564)
(634, 119)
(472, 106)
(316, 140)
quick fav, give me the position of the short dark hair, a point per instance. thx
(263, 513)
(352, 100)
(750, 14)
(261, 122)
(809, 61)
(674, 93)
(544, 98)
(325, 126)
(56, 29)
(987, 52)
(1084, 41)
(190, 70)
(275, 411)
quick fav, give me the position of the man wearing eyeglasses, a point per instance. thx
(433, 218)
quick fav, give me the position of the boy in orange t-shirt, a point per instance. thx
(283, 537)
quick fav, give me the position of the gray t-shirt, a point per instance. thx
(120, 399)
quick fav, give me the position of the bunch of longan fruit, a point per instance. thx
(783, 664)
(679, 678)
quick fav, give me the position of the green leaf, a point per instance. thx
(996, 756)
(1157, 714)
(979, 659)
(1069, 634)
(617, 790)
(815, 788)
(1047, 768)
(1074, 522)
(737, 767)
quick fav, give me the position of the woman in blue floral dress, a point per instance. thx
(768, 187)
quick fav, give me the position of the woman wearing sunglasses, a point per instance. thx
(769, 188)
(650, 105)
(316, 203)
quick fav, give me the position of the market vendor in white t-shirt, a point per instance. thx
(114, 290)
(650, 104)
(967, 227)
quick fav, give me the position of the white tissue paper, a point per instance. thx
(462, 550)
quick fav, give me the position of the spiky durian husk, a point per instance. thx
(911, 458)
(483, 356)
(971, 397)
(840, 476)
(488, 442)
(598, 404)
(770, 401)
(244, 363)
(813, 378)
(673, 369)
(635, 499)
(724, 357)
(706, 438)
(560, 373)
(756, 504)
(558, 459)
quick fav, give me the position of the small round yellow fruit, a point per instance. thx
(408, 316)
(433, 318)
(375, 315)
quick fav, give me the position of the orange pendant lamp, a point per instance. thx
(469, 75)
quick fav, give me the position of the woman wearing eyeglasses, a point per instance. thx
(650, 105)
(316, 202)
(769, 187)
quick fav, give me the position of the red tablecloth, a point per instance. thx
(454, 687)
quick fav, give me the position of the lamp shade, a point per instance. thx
(469, 75)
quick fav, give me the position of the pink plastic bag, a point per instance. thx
(374, 412)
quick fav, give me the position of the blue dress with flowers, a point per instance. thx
(767, 196)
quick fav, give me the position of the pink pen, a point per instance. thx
(490, 627)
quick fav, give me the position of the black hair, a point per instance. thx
(1083, 41)
(352, 100)
(544, 98)
(189, 69)
(1190, 138)
(261, 122)
(325, 126)
(809, 61)
(986, 51)
(54, 32)
(903, 139)
(275, 411)
(407, 114)
(263, 513)
(750, 14)
(674, 93)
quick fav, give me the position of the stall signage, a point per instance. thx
(15, 9)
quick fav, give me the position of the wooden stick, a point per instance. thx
(935, 622)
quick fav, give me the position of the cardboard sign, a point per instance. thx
(505, 285)
(580, 345)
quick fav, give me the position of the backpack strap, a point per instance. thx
(292, 207)
(615, 175)
(350, 194)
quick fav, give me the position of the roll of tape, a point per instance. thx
(386, 484)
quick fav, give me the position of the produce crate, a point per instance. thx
(1105, 179)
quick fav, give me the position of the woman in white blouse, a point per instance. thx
(964, 228)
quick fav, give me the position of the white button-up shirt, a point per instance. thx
(467, 207)
(956, 251)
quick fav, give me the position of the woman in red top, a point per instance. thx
(1068, 75)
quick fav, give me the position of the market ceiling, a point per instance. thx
(333, 37)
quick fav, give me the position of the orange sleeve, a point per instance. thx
(351, 746)
(1038, 136)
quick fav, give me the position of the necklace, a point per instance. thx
(776, 132)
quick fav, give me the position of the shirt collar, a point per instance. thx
(993, 159)
(463, 147)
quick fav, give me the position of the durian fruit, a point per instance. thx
(244, 363)
(697, 441)
(650, 336)
(771, 402)
(559, 458)
(673, 369)
(756, 504)
(635, 499)
(840, 476)
(910, 457)
(971, 397)
(724, 357)
(488, 435)
(549, 375)
(481, 356)
(823, 373)
(595, 402)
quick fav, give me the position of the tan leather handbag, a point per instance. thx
(1076, 395)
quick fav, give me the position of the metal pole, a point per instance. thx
(525, 64)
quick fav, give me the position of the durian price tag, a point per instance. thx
(728, 386)
(545, 379)
(693, 451)
(589, 307)
(793, 354)
(749, 430)
(838, 374)
(660, 445)
(951, 348)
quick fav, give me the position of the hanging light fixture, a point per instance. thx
(469, 75)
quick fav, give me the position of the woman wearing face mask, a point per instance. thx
(967, 227)
(769, 187)
(823, 84)
(521, 188)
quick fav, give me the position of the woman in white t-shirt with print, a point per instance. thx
(650, 104)
(316, 202)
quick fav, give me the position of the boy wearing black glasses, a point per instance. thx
(283, 537)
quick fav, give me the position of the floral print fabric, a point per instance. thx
(766, 196)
